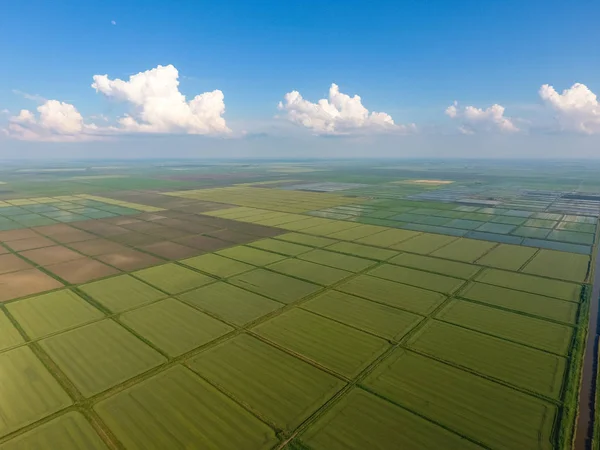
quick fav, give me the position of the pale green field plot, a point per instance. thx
(251, 255)
(364, 421)
(99, 356)
(283, 389)
(301, 225)
(495, 415)
(9, 335)
(121, 292)
(363, 251)
(516, 364)
(398, 295)
(273, 285)
(28, 391)
(172, 278)
(508, 220)
(348, 351)
(305, 239)
(573, 237)
(50, 313)
(530, 283)
(466, 250)
(537, 333)
(356, 233)
(537, 305)
(382, 320)
(540, 223)
(337, 260)
(230, 303)
(450, 268)
(417, 278)
(217, 265)
(424, 243)
(70, 431)
(193, 414)
(174, 327)
(388, 238)
(315, 273)
(506, 256)
(285, 248)
(565, 266)
(574, 226)
(333, 226)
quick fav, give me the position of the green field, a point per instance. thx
(297, 305)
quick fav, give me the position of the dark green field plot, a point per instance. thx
(217, 265)
(230, 303)
(450, 268)
(9, 335)
(310, 271)
(530, 283)
(382, 320)
(305, 239)
(537, 333)
(540, 223)
(417, 278)
(531, 232)
(516, 364)
(285, 248)
(337, 260)
(273, 285)
(572, 237)
(172, 278)
(464, 224)
(28, 391)
(485, 411)
(466, 250)
(362, 251)
(99, 356)
(410, 298)
(50, 313)
(537, 305)
(192, 414)
(71, 431)
(251, 255)
(121, 292)
(283, 389)
(565, 266)
(424, 243)
(364, 421)
(174, 327)
(506, 256)
(348, 351)
(574, 226)
(499, 228)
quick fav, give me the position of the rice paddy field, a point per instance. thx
(325, 305)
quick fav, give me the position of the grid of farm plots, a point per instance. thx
(565, 232)
(281, 330)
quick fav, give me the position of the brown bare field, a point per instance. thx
(171, 250)
(51, 230)
(3, 250)
(51, 255)
(236, 237)
(97, 247)
(30, 243)
(136, 239)
(128, 260)
(12, 263)
(169, 233)
(72, 236)
(141, 226)
(15, 235)
(101, 228)
(25, 282)
(205, 243)
(82, 270)
(120, 221)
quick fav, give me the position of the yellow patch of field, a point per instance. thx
(111, 201)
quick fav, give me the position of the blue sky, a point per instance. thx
(410, 59)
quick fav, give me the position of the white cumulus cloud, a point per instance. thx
(159, 107)
(54, 122)
(577, 108)
(476, 119)
(340, 114)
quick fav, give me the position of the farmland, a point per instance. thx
(304, 306)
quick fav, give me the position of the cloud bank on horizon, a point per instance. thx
(156, 106)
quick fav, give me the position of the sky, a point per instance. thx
(419, 78)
